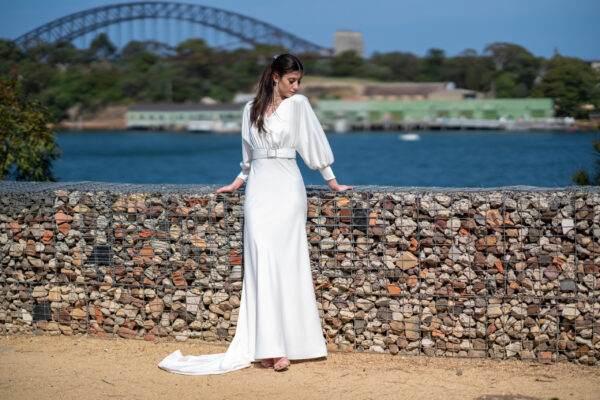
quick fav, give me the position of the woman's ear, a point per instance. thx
(275, 77)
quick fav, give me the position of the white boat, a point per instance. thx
(409, 136)
(340, 126)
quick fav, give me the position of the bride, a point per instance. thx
(278, 318)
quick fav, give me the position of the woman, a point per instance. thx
(278, 318)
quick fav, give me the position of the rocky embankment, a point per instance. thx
(500, 273)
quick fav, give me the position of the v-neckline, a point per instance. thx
(273, 113)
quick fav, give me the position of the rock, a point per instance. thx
(567, 225)
(39, 291)
(454, 253)
(27, 318)
(411, 328)
(551, 272)
(406, 225)
(182, 336)
(407, 260)
(568, 285)
(494, 310)
(179, 324)
(126, 333)
(78, 313)
(513, 349)
(364, 304)
(570, 312)
(156, 307)
(493, 218)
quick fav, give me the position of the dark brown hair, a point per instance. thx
(280, 65)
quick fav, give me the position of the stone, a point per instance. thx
(182, 336)
(551, 272)
(407, 260)
(156, 307)
(126, 333)
(567, 225)
(570, 312)
(39, 291)
(78, 313)
(568, 285)
(513, 349)
(494, 310)
(411, 328)
(493, 218)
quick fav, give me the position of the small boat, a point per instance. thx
(409, 136)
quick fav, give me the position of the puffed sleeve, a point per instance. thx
(246, 147)
(311, 142)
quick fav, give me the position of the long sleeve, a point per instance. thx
(311, 142)
(246, 148)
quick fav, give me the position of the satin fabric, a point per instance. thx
(278, 315)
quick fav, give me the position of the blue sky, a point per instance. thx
(388, 25)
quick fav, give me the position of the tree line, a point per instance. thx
(60, 75)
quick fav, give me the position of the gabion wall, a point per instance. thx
(499, 273)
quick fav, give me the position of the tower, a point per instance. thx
(345, 40)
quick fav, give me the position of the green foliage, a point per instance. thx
(433, 65)
(62, 76)
(397, 66)
(27, 145)
(346, 63)
(581, 177)
(572, 83)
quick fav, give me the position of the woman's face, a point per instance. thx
(289, 83)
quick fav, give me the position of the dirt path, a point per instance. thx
(49, 367)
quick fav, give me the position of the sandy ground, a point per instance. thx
(50, 367)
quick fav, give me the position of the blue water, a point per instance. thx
(443, 159)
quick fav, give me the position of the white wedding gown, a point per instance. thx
(278, 315)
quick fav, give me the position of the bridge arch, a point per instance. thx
(247, 29)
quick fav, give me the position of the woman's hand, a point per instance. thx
(336, 187)
(237, 183)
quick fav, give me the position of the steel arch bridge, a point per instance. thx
(246, 29)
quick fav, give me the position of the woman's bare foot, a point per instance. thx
(281, 364)
(267, 362)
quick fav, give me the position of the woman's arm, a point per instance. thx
(336, 187)
(312, 144)
(246, 155)
(237, 183)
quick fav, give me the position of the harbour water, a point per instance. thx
(432, 159)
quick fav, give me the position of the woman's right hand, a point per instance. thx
(336, 187)
(237, 183)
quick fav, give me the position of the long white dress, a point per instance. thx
(278, 315)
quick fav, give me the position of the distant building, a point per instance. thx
(396, 111)
(417, 91)
(315, 88)
(202, 117)
(595, 64)
(348, 40)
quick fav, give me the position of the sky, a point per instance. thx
(572, 27)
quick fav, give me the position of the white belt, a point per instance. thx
(286, 152)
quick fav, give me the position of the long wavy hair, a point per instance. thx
(280, 65)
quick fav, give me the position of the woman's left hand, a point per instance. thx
(336, 187)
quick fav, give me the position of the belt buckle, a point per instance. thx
(271, 153)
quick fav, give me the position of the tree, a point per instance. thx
(571, 83)
(27, 145)
(581, 177)
(101, 48)
(346, 63)
(402, 66)
(433, 65)
(503, 53)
